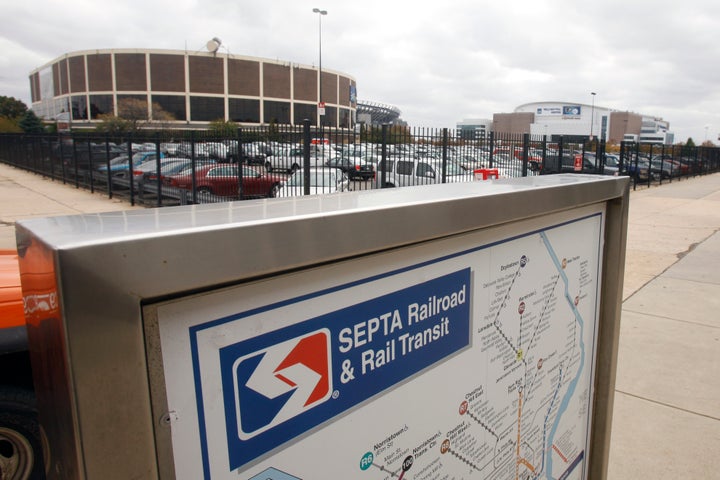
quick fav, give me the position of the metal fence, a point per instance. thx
(187, 167)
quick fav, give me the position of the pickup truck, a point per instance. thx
(21, 445)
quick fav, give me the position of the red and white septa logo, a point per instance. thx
(281, 382)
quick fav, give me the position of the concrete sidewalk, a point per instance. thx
(26, 195)
(666, 421)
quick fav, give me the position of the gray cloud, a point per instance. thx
(438, 63)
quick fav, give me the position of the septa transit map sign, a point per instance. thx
(470, 357)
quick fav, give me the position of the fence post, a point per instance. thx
(130, 168)
(561, 153)
(108, 174)
(90, 165)
(158, 175)
(492, 149)
(525, 153)
(383, 154)
(444, 154)
(193, 168)
(238, 161)
(75, 165)
(306, 156)
(62, 158)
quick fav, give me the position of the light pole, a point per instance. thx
(592, 115)
(321, 111)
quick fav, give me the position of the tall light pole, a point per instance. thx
(592, 115)
(321, 111)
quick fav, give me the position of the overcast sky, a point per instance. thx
(439, 62)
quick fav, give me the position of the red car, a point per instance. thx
(222, 179)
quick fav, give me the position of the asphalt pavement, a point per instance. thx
(666, 419)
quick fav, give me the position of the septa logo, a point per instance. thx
(281, 382)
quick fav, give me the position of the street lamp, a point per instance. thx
(592, 115)
(320, 100)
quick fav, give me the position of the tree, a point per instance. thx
(9, 126)
(132, 116)
(113, 126)
(223, 129)
(30, 123)
(12, 108)
(160, 117)
(134, 111)
(394, 134)
(689, 148)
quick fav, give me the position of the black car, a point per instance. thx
(354, 168)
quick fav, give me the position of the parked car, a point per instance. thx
(168, 166)
(639, 169)
(664, 169)
(120, 165)
(292, 159)
(611, 164)
(403, 172)
(248, 154)
(354, 168)
(203, 150)
(21, 437)
(87, 155)
(322, 181)
(223, 179)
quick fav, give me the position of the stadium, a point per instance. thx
(191, 88)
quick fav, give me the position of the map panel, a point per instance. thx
(474, 364)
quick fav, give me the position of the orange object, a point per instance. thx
(11, 300)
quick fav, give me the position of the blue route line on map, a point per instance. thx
(573, 384)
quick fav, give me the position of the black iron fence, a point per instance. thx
(187, 167)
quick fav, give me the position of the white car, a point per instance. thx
(322, 181)
(404, 172)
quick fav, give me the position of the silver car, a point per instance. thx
(403, 172)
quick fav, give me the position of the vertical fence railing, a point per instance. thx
(85, 159)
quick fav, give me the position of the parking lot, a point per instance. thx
(178, 168)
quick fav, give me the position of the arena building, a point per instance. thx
(580, 121)
(194, 88)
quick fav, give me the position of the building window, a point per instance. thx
(79, 107)
(132, 107)
(330, 117)
(100, 105)
(207, 109)
(276, 112)
(345, 118)
(244, 110)
(173, 104)
(305, 111)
